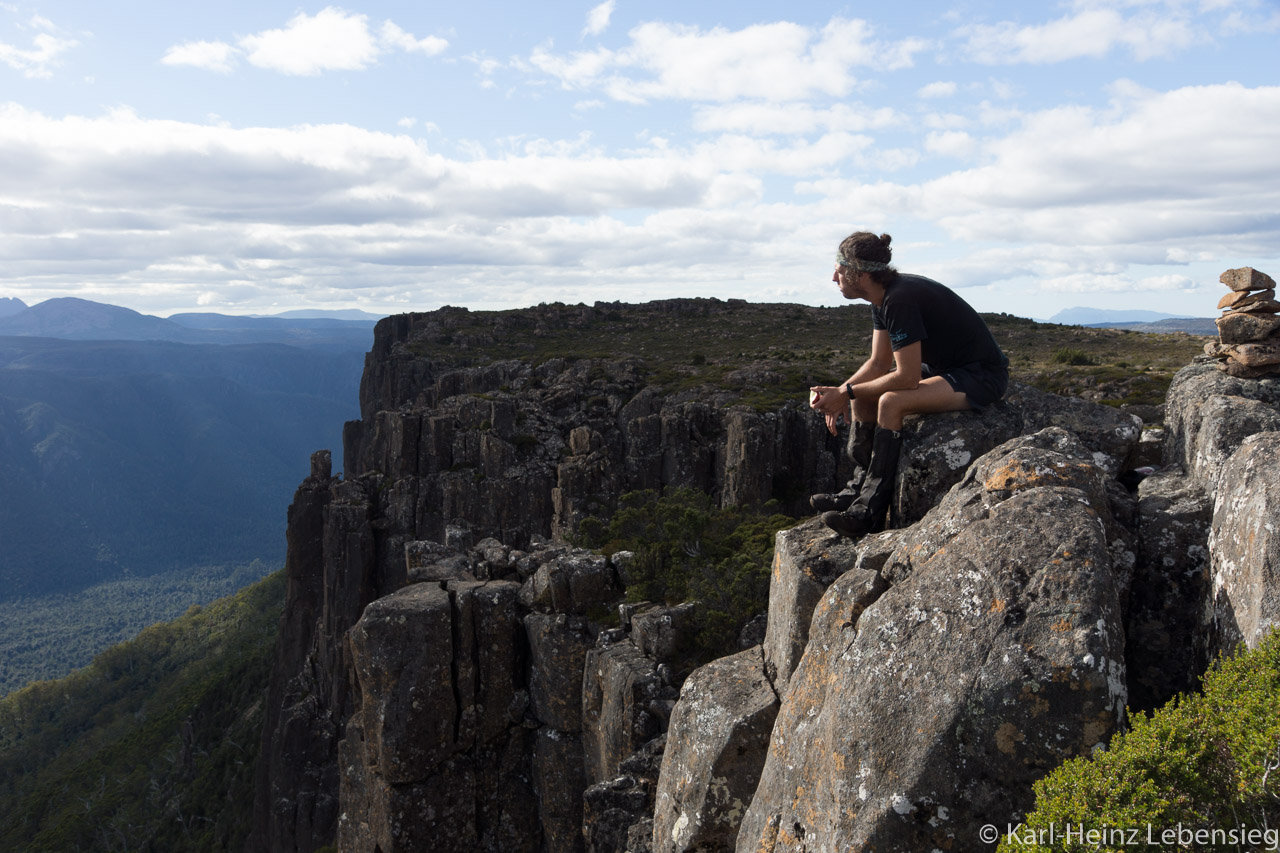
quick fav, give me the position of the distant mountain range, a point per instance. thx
(71, 318)
(1083, 316)
(316, 314)
(1190, 325)
(1135, 320)
(133, 444)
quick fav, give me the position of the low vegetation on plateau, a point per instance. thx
(767, 354)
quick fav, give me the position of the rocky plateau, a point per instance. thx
(452, 675)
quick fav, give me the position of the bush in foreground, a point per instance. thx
(1201, 773)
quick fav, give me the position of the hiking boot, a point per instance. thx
(838, 502)
(866, 513)
(861, 436)
(854, 522)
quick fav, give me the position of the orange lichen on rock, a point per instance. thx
(1015, 475)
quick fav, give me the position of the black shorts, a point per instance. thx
(982, 383)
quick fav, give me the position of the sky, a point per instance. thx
(388, 156)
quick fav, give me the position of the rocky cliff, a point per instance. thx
(453, 676)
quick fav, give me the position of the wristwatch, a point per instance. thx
(848, 390)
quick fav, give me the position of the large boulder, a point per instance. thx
(716, 746)
(806, 559)
(618, 812)
(1225, 421)
(558, 646)
(1200, 431)
(573, 583)
(1244, 545)
(1109, 434)
(997, 653)
(936, 451)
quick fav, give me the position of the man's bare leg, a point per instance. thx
(932, 395)
(865, 513)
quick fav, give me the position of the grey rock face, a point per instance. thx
(559, 778)
(408, 714)
(716, 747)
(424, 756)
(558, 647)
(618, 813)
(1198, 440)
(296, 787)
(573, 583)
(806, 560)
(997, 652)
(1245, 545)
(938, 449)
(1224, 423)
(623, 706)
(518, 453)
(665, 634)
(1165, 643)
(1108, 434)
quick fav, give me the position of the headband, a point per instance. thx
(859, 264)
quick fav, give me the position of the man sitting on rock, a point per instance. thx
(930, 352)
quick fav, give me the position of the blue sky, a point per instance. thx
(261, 157)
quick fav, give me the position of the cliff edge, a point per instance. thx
(453, 676)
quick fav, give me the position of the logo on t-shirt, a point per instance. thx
(898, 337)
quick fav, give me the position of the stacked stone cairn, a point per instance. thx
(1249, 328)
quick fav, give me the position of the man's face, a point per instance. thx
(847, 279)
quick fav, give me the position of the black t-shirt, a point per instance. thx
(950, 332)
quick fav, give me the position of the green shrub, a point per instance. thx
(1069, 355)
(1206, 763)
(686, 548)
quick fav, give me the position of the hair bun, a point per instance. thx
(885, 239)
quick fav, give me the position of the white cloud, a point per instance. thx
(42, 57)
(598, 18)
(950, 143)
(210, 55)
(1141, 173)
(778, 61)
(392, 36)
(940, 89)
(1081, 194)
(944, 121)
(1090, 32)
(337, 208)
(330, 40)
(327, 41)
(1115, 283)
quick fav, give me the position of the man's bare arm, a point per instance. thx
(905, 378)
